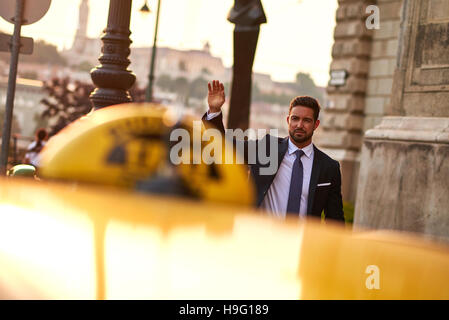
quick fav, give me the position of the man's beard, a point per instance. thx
(300, 139)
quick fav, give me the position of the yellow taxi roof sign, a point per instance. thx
(128, 145)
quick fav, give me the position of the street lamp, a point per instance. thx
(145, 9)
(112, 77)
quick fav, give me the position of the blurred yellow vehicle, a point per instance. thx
(90, 235)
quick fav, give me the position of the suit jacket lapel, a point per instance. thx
(283, 147)
(316, 167)
(282, 150)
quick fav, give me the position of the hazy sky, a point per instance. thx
(297, 37)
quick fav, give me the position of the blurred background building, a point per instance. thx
(175, 69)
(181, 76)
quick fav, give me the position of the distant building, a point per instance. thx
(189, 64)
(27, 106)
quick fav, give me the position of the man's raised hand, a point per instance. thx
(215, 96)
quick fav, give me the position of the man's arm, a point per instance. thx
(213, 118)
(215, 99)
(334, 206)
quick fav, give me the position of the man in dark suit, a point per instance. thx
(306, 181)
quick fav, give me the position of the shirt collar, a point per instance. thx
(308, 150)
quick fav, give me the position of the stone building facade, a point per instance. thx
(343, 118)
(389, 125)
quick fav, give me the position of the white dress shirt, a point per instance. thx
(211, 115)
(276, 198)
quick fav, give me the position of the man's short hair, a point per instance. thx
(306, 101)
(41, 134)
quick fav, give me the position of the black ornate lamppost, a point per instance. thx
(112, 78)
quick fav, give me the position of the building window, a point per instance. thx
(182, 65)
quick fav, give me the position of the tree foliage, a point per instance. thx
(205, 71)
(67, 101)
(84, 66)
(181, 85)
(306, 86)
(198, 88)
(258, 96)
(185, 89)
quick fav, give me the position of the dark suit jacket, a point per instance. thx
(324, 170)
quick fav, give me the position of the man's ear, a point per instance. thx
(317, 123)
(288, 119)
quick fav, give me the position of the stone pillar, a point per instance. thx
(404, 174)
(342, 119)
(112, 78)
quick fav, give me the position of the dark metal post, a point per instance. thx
(149, 93)
(6, 135)
(15, 149)
(112, 78)
(247, 15)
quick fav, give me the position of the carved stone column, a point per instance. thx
(404, 172)
(112, 78)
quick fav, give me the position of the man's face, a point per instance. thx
(301, 124)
